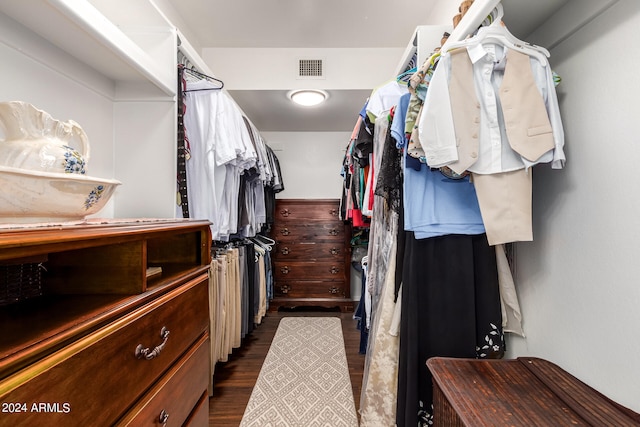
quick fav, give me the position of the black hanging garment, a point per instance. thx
(450, 307)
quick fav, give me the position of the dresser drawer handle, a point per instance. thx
(334, 232)
(285, 289)
(335, 251)
(285, 232)
(146, 353)
(334, 290)
(284, 270)
(284, 251)
(334, 212)
(163, 418)
(285, 212)
(335, 270)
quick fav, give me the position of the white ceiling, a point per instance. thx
(325, 24)
(303, 23)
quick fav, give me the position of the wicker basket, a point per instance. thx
(19, 282)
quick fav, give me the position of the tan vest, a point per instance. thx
(525, 116)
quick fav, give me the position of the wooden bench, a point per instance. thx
(525, 391)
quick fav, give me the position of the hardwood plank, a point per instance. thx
(234, 380)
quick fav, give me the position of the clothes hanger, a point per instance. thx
(496, 24)
(202, 76)
(497, 32)
(265, 238)
(406, 76)
(264, 241)
(183, 60)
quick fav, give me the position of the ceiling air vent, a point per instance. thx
(310, 69)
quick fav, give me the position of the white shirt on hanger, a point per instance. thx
(232, 131)
(205, 167)
(494, 155)
(385, 97)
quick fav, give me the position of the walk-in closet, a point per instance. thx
(319, 213)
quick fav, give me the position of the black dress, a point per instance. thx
(450, 307)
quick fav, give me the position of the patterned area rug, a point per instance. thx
(304, 380)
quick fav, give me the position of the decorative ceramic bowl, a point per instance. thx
(30, 196)
(42, 168)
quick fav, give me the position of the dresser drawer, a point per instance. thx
(311, 232)
(299, 270)
(95, 379)
(200, 415)
(310, 289)
(309, 251)
(301, 211)
(187, 379)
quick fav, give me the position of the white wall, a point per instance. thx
(310, 162)
(346, 68)
(153, 158)
(579, 280)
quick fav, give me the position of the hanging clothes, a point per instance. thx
(379, 387)
(438, 211)
(450, 307)
(457, 296)
(493, 111)
(240, 282)
(438, 284)
(355, 169)
(272, 187)
(205, 172)
(233, 176)
(384, 98)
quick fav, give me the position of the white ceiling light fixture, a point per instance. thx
(308, 97)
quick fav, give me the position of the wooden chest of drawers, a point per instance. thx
(107, 344)
(311, 260)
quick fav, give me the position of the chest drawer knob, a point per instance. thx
(285, 212)
(335, 270)
(285, 251)
(334, 212)
(163, 418)
(285, 232)
(334, 232)
(284, 270)
(148, 354)
(335, 251)
(285, 289)
(334, 290)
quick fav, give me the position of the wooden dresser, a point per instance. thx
(119, 335)
(311, 260)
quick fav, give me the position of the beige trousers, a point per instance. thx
(223, 285)
(505, 205)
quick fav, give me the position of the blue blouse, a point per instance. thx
(434, 205)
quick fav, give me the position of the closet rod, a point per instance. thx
(191, 54)
(471, 20)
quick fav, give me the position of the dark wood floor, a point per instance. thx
(234, 380)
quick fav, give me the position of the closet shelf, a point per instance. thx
(83, 31)
(424, 40)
